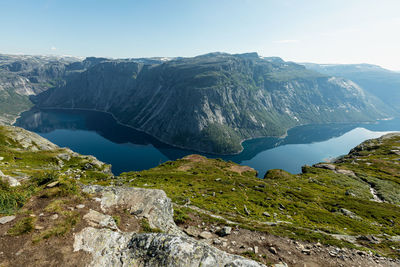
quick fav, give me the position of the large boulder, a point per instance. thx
(110, 248)
(147, 203)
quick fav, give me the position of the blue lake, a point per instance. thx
(98, 134)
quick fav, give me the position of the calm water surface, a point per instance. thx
(98, 134)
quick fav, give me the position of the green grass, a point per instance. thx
(305, 207)
(180, 216)
(117, 220)
(41, 167)
(23, 226)
(146, 228)
(309, 203)
(68, 220)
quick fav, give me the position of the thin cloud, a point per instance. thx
(289, 41)
(53, 48)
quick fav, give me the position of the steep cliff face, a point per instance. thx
(379, 82)
(24, 76)
(212, 102)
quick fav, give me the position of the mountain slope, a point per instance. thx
(23, 76)
(212, 102)
(382, 83)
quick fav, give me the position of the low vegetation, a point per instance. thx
(321, 204)
(316, 205)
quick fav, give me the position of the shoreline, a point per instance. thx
(191, 149)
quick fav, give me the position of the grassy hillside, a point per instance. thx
(319, 204)
(352, 203)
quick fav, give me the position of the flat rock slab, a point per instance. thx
(97, 219)
(206, 235)
(111, 248)
(6, 219)
(192, 231)
(153, 204)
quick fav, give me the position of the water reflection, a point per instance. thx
(97, 133)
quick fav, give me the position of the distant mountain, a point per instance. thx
(380, 82)
(211, 102)
(22, 76)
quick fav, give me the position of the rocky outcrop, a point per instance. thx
(167, 250)
(24, 140)
(11, 181)
(152, 204)
(110, 248)
(28, 140)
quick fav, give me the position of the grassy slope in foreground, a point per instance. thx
(318, 204)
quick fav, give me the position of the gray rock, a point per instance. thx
(280, 264)
(6, 219)
(255, 249)
(53, 184)
(28, 140)
(349, 214)
(11, 181)
(192, 231)
(80, 206)
(54, 217)
(155, 204)
(266, 214)
(205, 235)
(246, 210)
(224, 231)
(64, 156)
(217, 241)
(325, 166)
(97, 219)
(346, 172)
(110, 248)
(273, 250)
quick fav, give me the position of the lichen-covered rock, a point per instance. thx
(11, 181)
(110, 248)
(95, 218)
(28, 140)
(325, 166)
(168, 250)
(148, 203)
(106, 246)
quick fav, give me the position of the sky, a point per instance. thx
(320, 31)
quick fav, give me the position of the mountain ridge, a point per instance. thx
(223, 99)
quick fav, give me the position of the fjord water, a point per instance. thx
(98, 134)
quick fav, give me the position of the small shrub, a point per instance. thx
(180, 217)
(45, 178)
(71, 219)
(10, 199)
(25, 225)
(55, 206)
(146, 228)
(117, 219)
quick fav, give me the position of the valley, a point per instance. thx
(209, 103)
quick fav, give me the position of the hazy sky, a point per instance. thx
(323, 31)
